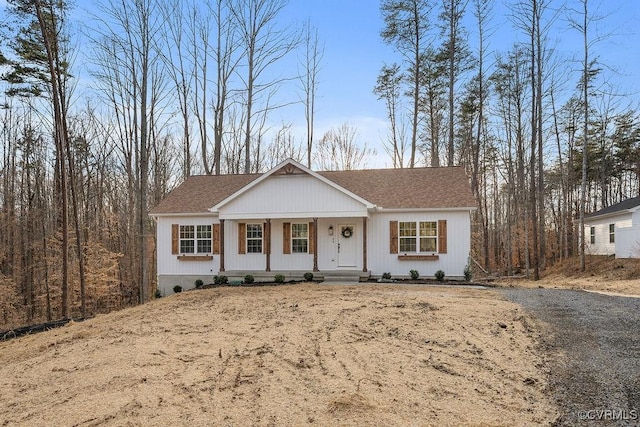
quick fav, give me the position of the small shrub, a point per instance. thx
(279, 278)
(308, 276)
(248, 279)
(220, 279)
(177, 289)
(468, 275)
(414, 274)
(198, 283)
(157, 294)
(439, 275)
(386, 275)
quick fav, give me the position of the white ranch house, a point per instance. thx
(292, 220)
(614, 230)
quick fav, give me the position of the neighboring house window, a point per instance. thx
(300, 238)
(612, 233)
(418, 236)
(593, 235)
(254, 238)
(195, 239)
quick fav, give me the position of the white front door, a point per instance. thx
(347, 246)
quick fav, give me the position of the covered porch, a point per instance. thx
(263, 247)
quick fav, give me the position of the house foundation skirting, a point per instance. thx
(268, 276)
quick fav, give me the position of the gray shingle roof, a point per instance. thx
(618, 207)
(427, 188)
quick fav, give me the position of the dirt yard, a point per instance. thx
(289, 355)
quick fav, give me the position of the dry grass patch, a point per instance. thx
(602, 274)
(288, 355)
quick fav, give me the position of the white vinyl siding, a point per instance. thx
(452, 263)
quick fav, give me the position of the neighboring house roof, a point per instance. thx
(625, 205)
(415, 188)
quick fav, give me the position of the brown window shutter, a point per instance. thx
(312, 240)
(442, 236)
(242, 238)
(286, 237)
(393, 237)
(215, 238)
(175, 239)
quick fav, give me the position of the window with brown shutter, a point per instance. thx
(242, 241)
(215, 238)
(442, 236)
(393, 237)
(175, 238)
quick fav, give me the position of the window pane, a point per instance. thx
(204, 232)
(204, 246)
(299, 246)
(299, 230)
(407, 229)
(186, 246)
(407, 244)
(254, 246)
(186, 231)
(428, 228)
(254, 231)
(428, 244)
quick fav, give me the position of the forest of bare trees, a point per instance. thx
(166, 89)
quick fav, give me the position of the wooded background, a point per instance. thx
(178, 88)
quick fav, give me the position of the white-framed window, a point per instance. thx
(612, 233)
(254, 238)
(195, 239)
(592, 234)
(300, 238)
(418, 236)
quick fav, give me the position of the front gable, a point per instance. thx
(291, 190)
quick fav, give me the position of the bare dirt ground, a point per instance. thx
(603, 274)
(288, 355)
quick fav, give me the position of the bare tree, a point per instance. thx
(339, 150)
(406, 28)
(455, 54)
(264, 43)
(388, 89)
(311, 66)
(129, 70)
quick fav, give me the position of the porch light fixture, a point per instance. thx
(331, 230)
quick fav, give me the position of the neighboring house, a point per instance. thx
(291, 220)
(614, 230)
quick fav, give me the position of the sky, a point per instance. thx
(354, 54)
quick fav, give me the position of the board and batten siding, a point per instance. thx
(453, 262)
(294, 196)
(170, 270)
(602, 245)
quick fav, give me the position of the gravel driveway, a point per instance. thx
(597, 381)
